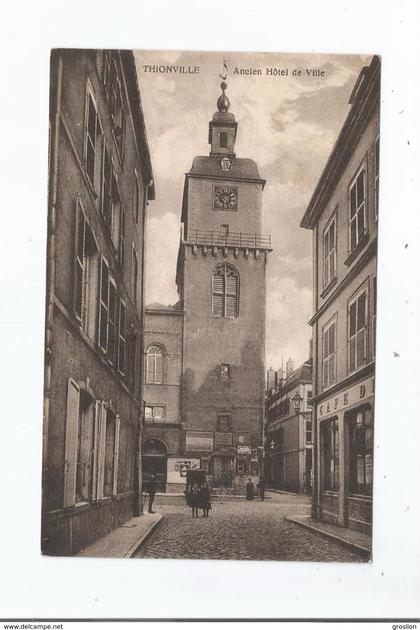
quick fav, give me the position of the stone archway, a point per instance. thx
(154, 461)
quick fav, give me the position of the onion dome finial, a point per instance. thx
(223, 103)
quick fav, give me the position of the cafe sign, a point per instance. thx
(346, 399)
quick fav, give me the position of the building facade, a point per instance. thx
(221, 280)
(343, 215)
(100, 180)
(288, 433)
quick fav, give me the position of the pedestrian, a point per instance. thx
(194, 500)
(205, 502)
(250, 492)
(151, 491)
(262, 489)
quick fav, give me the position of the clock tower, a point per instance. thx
(221, 279)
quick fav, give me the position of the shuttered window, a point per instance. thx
(84, 266)
(112, 322)
(225, 291)
(93, 133)
(329, 252)
(357, 209)
(122, 344)
(155, 363)
(357, 331)
(329, 354)
(71, 445)
(103, 307)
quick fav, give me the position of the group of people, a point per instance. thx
(198, 498)
(250, 490)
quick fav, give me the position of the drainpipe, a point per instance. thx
(138, 506)
(50, 279)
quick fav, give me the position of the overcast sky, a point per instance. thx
(287, 124)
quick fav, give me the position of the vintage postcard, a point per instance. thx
(211, 305)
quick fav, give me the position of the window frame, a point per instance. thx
(327, 278)
(90, 97)
(223, 416)
(363, 168)
(154, 381)
(326, 360)
(122, 338)
(224, 293)
(363, 289)
(153, 420)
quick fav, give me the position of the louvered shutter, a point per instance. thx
(231, 295)
(72, 430)
(116, 454)
(361, 347)
(218, 291)
(101, 451)
(103, 306)
(96, 442)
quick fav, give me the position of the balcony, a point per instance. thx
(232, 239)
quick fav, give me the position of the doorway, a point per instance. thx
(154, 462)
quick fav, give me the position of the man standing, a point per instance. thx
(151, 491)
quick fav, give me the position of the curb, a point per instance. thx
(134, 548)
(342, 541)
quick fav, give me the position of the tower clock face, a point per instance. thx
(225, 198)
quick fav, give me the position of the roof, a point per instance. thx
(129, 65)
(364, 99)
(241, 169)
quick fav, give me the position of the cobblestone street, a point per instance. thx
(241, 530)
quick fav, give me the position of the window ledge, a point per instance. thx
(363, 498)
(329, 286)
(330, 493)
(356, 251)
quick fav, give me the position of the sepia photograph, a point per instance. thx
(209, 379)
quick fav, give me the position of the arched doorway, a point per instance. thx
(154, 462)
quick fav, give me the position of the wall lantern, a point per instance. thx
(272, 445)
(297, 401)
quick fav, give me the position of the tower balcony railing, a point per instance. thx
(233, 239)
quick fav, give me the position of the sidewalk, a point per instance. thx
(124, 541)
(357, 541)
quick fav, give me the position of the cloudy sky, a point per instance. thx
(287, 124)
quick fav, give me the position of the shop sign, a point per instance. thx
(244, 449)
(348, 398)
(177, 468)
(200, 441)
(223, 439)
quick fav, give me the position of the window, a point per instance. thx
(225, 291)
(121, 244)
(376, 177)
(121, 337)
(111, 454)
(357, 331)
(374, 317)
(103, 307)
(329, 353)
(224, 423)
(116, 106)
(137, 199)
(85, 267)
(223, 139)
(155, 365)
(92, 136)
(110, 198)
(85, 448)
(225, 370)
(330, 458)
(112, 321)
(330, 270)
(154, 413)
(357, 196)
(135, 275)
(361, 453)
(308, 431)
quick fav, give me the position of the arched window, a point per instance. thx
(225, 291)
(155, 365)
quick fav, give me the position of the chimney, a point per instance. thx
(289, 368)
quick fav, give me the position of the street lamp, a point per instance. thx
(297, 401)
